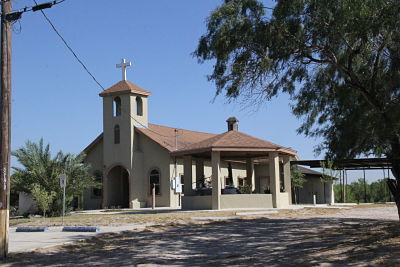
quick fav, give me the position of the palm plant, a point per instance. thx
(39, 167)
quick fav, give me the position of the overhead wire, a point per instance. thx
(30, 8)
(69, 47)
(86, 68)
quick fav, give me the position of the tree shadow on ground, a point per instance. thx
(254, 242)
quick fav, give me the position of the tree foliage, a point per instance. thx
(328, 171)
(40, 168)
(338, 59)
(42, 198)
(297, 179)
(358, 192)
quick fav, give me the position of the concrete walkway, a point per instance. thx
(28, 241)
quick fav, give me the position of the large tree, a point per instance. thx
(40, 168)
(338, 59)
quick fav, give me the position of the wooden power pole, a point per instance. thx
(5, 120)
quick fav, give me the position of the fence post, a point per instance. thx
(153, 195)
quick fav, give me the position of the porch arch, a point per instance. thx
(117, 187)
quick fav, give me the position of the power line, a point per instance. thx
(86, 69)
(69, 47)
(16, 13)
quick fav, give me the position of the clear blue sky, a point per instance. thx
(54, 98)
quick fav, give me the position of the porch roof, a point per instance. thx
(124, 87)
(233, 144)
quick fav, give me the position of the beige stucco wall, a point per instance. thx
(129, 153)
(95, 159)
(145, 117)
(313, 185)
(283, 200)
(196, 202)
(153, 156)
(234, 201)
(238, 201)
(26, 204)
(174, 197)
(262, 177)
(117, 154)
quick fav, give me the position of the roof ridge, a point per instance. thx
(124, 87)
(222, 135)
(262, 140)
(181, 129)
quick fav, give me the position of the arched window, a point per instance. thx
(139, 106)
(116, 134)
(117, 107)
(155, 181)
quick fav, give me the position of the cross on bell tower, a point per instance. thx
(123, 65)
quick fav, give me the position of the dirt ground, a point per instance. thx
(362, 236)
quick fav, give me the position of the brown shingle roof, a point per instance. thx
(234, 141)
(308, 171)
(199, 141)
(165, 136)
(124, 87)
(313, 173)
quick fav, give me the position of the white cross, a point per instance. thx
(123, 65)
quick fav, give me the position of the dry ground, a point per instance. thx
(298, 237)
(152, 217)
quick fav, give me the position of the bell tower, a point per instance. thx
(125, 106)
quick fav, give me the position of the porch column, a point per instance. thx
(250, 173)
(199, 171)
(274, 178)
(216, 179)
(187, 175)
(287, 177)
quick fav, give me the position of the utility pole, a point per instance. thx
(5, 131)
(7, 18)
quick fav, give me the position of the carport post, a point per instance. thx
(365, 188)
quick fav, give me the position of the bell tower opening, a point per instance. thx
(139, 106)
(117, 107)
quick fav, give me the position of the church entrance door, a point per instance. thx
(118, 187)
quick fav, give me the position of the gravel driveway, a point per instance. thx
(362, 236)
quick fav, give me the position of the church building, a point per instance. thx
(187, 169)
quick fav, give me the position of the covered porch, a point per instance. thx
(266, 167)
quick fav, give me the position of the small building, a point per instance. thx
(314, 185)
(217, 171)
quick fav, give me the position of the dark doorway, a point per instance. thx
(118, 188)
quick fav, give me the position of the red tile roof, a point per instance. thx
(124, 87)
